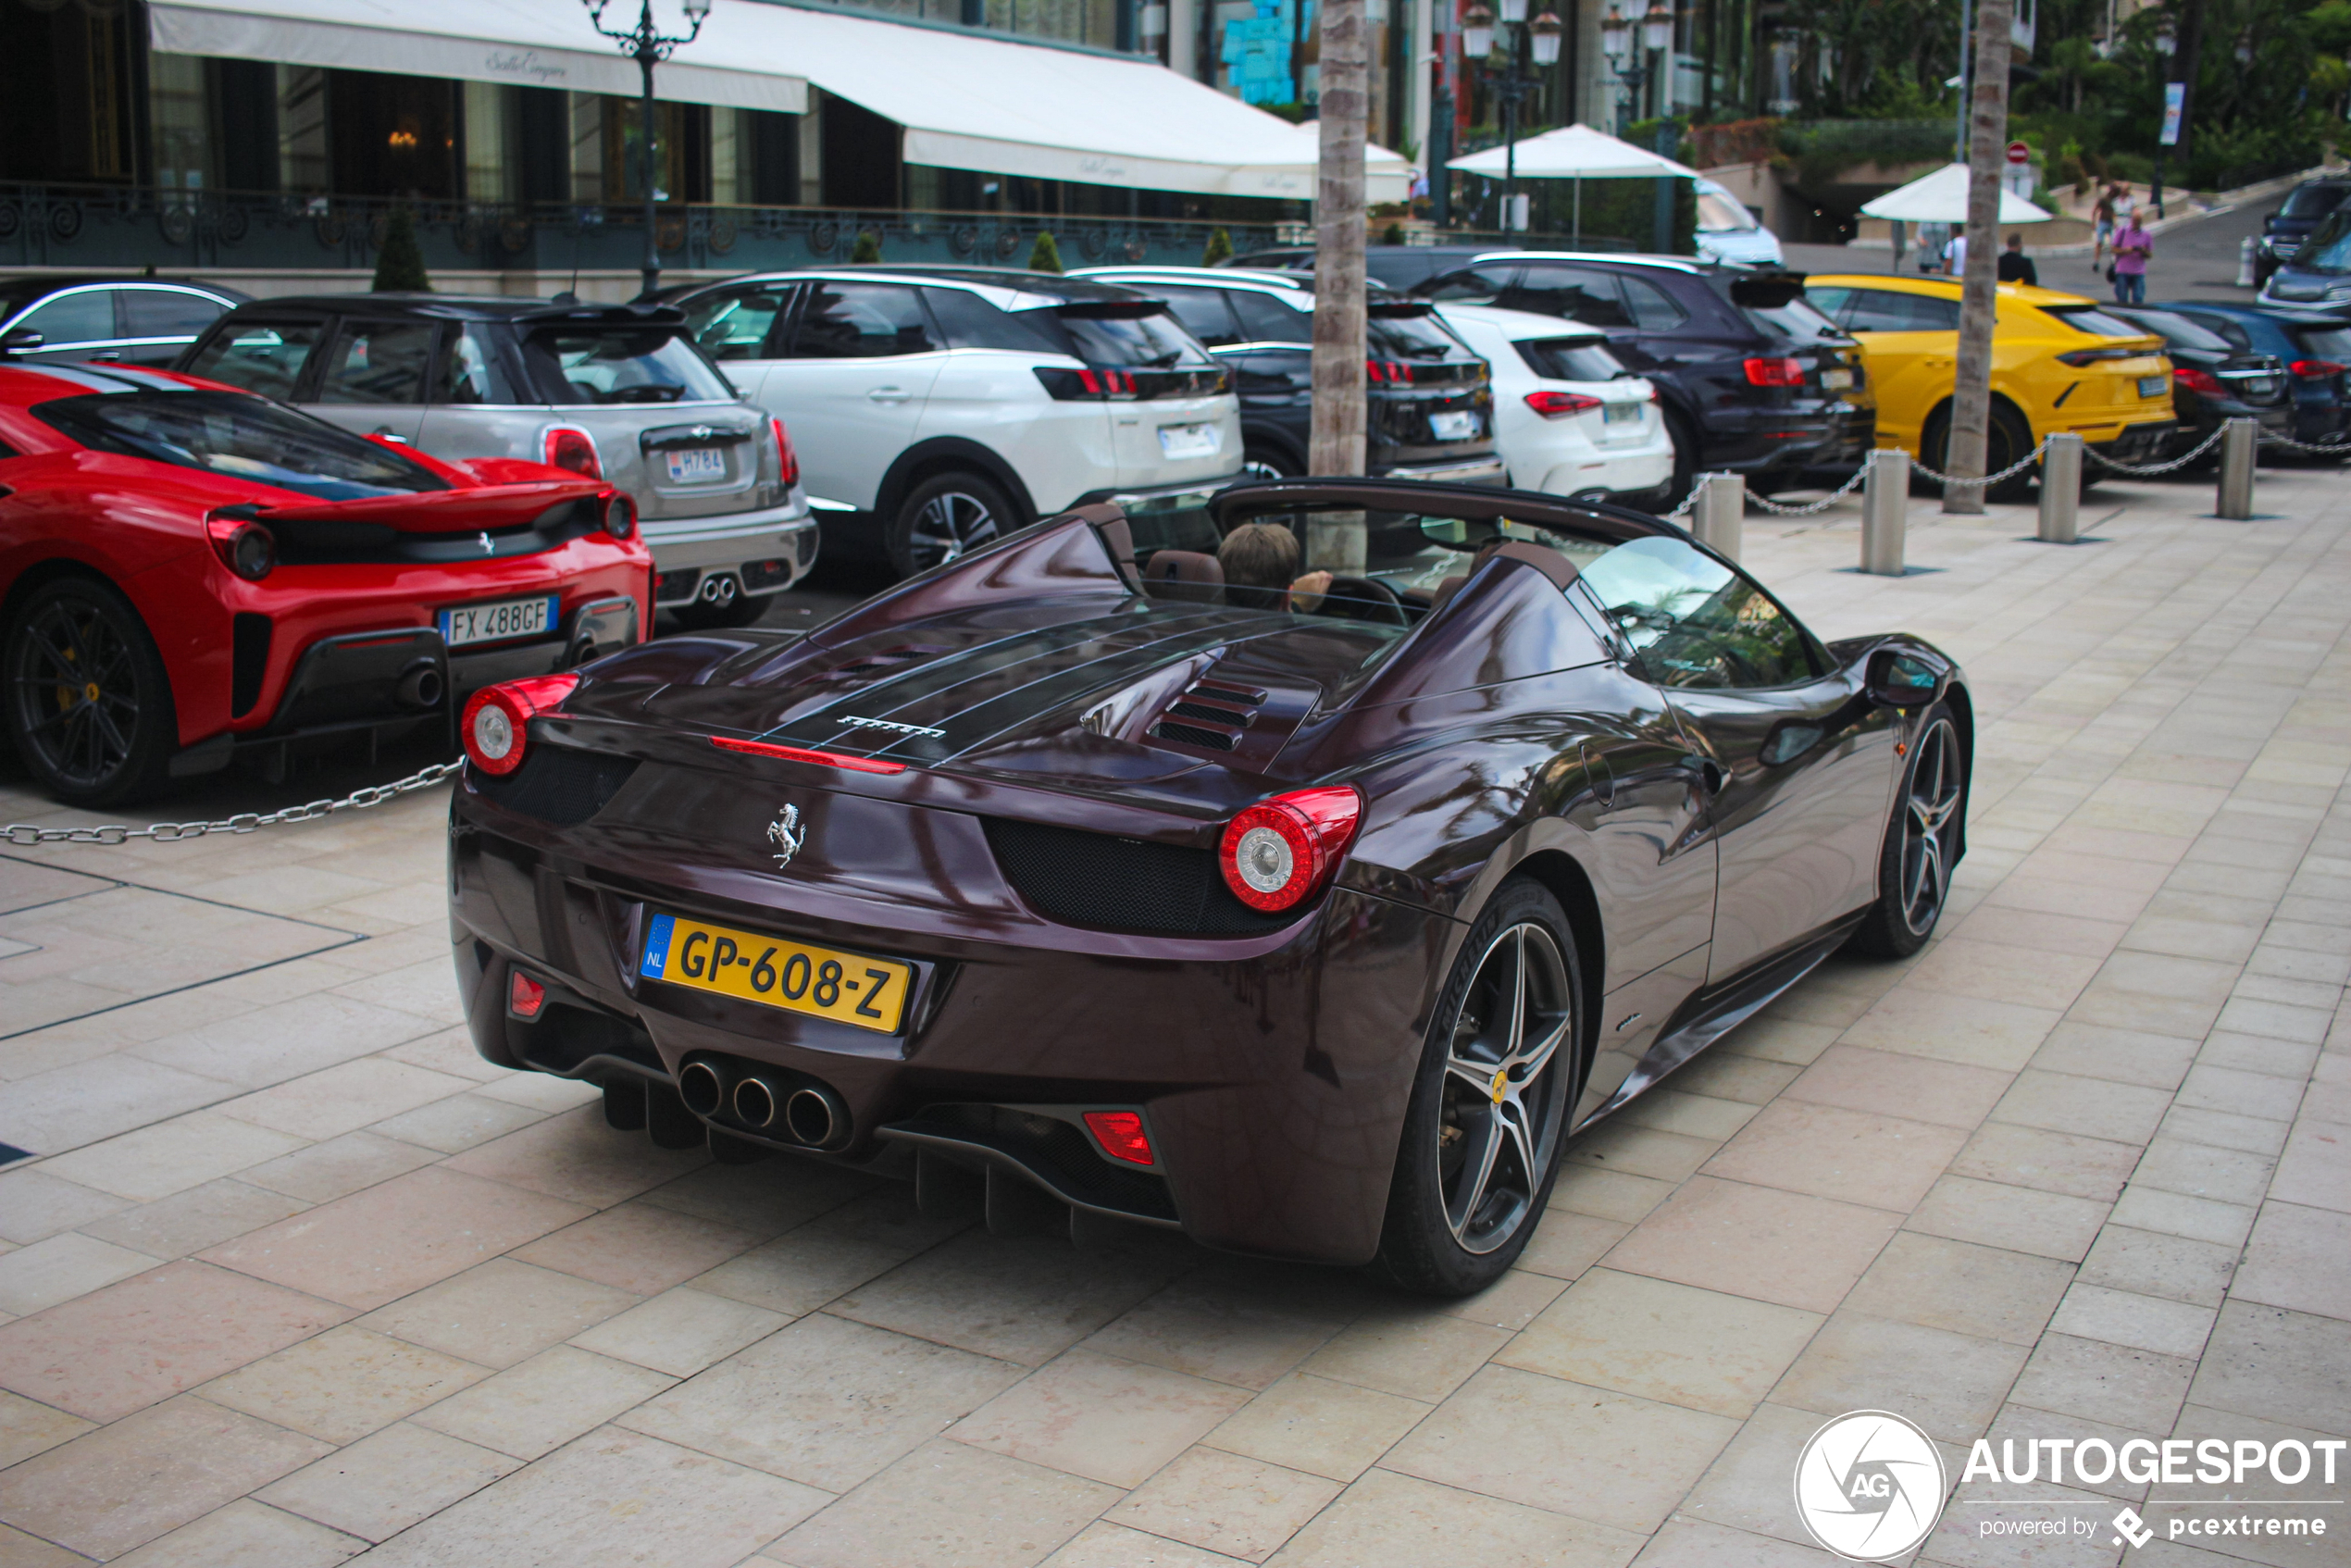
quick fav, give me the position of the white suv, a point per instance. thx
(935, 408)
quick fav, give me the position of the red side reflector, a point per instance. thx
(526, 996)
(802, 753)
(1121, 1135)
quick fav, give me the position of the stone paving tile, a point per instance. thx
(499, 1312)
(1664, 1341)
(344, 1384)
(680, 1331)
(1223, 1502)
(1854, 1156)
(1790, 1248)
(247, 1531)
(1099, 1417)
(949, 1502)
(388, 1480)
(1951, 1384)
(1319, 1425)
(35, 1204)
(336, 1168)
(28, 1427)
(1391, 1520)
(191, 1221)
(535, 1408)
(638, 1247)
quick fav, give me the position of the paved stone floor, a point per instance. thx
(295, 1276)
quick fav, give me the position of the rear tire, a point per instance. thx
(1264, 463)
(1685, 441)
(2006, 438)
(1498, 1080)
(1922, 843)
(86, 700)
(946, 517)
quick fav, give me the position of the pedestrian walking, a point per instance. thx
(2101, 224)
(2015, 267)
(1955, 255)
(2133, 245)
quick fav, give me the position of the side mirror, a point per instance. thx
(22, 341)
(1895, 680)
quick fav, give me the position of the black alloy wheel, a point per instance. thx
(1262, 462)
(944, 519)
(2006, 438)
(88, 704)
(1921, 845)
(1498, 1080)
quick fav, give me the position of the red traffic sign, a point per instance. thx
(2019, 153)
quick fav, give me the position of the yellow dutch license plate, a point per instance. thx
(848, 987)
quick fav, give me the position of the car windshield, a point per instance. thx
(1719, 212)
(2178, 331)
(1799, 318)
(1571, 359)
(2313, 201)
(2090, 318)
(241, 437)
(1144, 341)
(621, 365)
(2329, 246)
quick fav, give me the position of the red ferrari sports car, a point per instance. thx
(1310, 920)
(188, 573)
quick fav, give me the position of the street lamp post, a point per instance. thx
(1538, 43)
(648, 46)
(2166, 43)
(1634, 67)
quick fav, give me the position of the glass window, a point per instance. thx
(1653, 309)
(1694, 621)
(2098, 323)
(1572, 293)
(861, 321)
(84, 317)
(1202, 311)
(603, 364)
(2326, 343)
(261, 356)
(2178, 331)
(471, 370)
(166, 313)
(1265, 319)
(244, 438)
(969, 321)
(1571, 359)
(2231, 332)
(2314, 201)
(735, 323)
(1885, 310)
(379, 362)
(1414, 333)
(1471, 285)
(1719, 212)
(1801, 319)
(1828, 299)
(1156, 342)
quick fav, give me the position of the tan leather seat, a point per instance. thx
(1184, 574)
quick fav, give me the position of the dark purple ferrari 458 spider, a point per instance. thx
(1311, 922)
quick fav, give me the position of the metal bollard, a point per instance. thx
(1886, 512)
(1721, 512)
(2238, 447)
(2244, 262)
(2061, 490)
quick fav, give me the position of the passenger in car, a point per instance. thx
(1260, 562)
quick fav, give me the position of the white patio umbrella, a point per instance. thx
(1578, 153)
(1940, 197)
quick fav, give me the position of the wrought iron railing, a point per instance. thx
(111, 226)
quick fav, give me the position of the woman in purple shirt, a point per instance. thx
(2132, 248)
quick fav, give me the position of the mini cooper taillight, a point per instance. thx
(787, 461)
(620, 515)
(1278, 852)
(568, 446)
(497, 720)
(244, 546)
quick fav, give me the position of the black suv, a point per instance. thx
(2285, 232)
(1429, 401)
(1753, 380)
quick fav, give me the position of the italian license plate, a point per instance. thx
(1622, 413)
(1190, 440)
(1458, 425)
(697, 465)
(848, 987)
(1837, 381)
(496, 623)
(2154, 386)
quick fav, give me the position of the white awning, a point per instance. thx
(967, 101)
(1940, 197)
(530, 42)
(1575, 152)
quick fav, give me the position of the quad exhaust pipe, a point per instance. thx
(791, 1110)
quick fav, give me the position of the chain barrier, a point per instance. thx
(23, 835)
(1830, 499)
(2325, 449)
(2008, 473)
(2142, 471)
(1689, 502)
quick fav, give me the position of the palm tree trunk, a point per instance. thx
(1988, 140)
(1336, 443)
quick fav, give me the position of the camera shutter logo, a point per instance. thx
(1869, 1486)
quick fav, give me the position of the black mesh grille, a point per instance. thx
(1193, 735)
(1123, 884)
(248, 661)
(557, 785)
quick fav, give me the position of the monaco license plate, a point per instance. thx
(496, 623)
(1622, 413)
(1837, 381)
(848, 987)
(1458, 425)
(2154, 386)
(1190, 440)
(697, 465)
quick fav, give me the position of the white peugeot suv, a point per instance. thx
(937, 407)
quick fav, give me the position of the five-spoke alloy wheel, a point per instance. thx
(1922, 842)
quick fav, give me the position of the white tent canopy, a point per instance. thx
(967, 101)
(1575, 152)
(1940, 197)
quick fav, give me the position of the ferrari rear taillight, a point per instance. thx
(1280, 851)
(620, 515)
(496, 722)
(1559, 404)
(244, 546)
(568, 446)
(2197, 380)
(2315, 370)
(1775, 373)
(1121, 1135)
(787, 460)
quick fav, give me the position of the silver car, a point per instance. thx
(615, 391)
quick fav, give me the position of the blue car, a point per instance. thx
(2315, 347)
